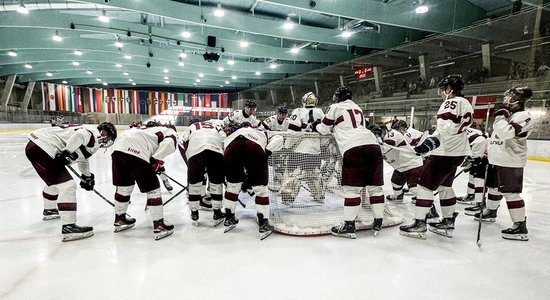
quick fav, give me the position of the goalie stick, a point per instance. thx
(94, 190)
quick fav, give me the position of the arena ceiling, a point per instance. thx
(164, 43)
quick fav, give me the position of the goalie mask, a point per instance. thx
(108, 134)
(309, 100)
(516, 97)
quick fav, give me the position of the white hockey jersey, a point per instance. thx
(478, 142)
(400, 160)
(83, 140)
(508, 143)
(347, 122)
(300, 121)
(202, 136)
(155, 142)
(413, 136)
(272, 123)
(238, 117)
(453, 117)
(265, 139)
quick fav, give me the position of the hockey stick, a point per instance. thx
(175, 181)
(478, 240)
(94, 190)
(174, 196)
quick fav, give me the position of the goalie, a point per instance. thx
(362, 160)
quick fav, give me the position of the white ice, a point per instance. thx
(204, 263)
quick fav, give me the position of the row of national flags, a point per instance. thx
(59, 97)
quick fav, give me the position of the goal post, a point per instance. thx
(305, 192)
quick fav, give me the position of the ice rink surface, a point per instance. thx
(204, 263)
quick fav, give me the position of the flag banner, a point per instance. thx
(481, 104)
(143, 105)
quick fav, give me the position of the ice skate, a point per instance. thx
(489, 215)
(50, 214)
(433, 216)
(377, 225)
(123, 222)
(472, 210)
(218, 217)
(396, 199)
(230, 221)
(162, 229)
(346, 229)
(415, 230)
(167, 185)
(73, 232)
(195, 217)
(469, 199)
(445, 227)
(205, 203)
(517, 232)
(265, 229)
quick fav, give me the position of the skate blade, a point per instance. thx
(376, 232)
(217, 222)
(160, 236)
(196, 223)
(205, 208)
(442, 232)
(76, 236)
(465, 202)
(490, 220)
(470, 213)
(416, 235)
(345, 235)
(515, 237)
(433, 220)
(122, 228)
(229, 228)
(49, 218)
(264, 235)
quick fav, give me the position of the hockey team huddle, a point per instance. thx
(235, 153)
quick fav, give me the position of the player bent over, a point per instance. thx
(248, 149)
(49, 151)
(507, 152)
(450, 145)
(203, 144)
(361, 163)
(137, 156)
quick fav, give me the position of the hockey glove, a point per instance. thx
(87, 182)
(161, 170)
(503, 112)
(314, 125)
(267, 153)
(430, 144)
(156, 164)
(66, 157)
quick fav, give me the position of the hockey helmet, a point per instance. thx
(151, 124)
(282, 110)
(518, 95)
(250, 103)
(399, 124)
(193, 121)
(454, 81)
(171, 126)
(108, 134)
(342, 93)
(310, 100)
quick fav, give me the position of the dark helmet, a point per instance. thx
(193, 121)
(342, 93)
(399, 124)
(151, 124)
(109, 129)
(245, 124)
(519, 95)
(282, 110)
(454, 81)
(250, 103)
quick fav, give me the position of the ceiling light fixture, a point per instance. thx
(103, 17)
(125, 74)
(221, 69)
(221, 85)
(165, 70)
(273, 65)
(56, 37)
(288, 24)
(186, 33)
(231, 62)
(127, 56)
(227, 82)
(119, 44)
(133, 83)
(104, 83)
(77, 52)
(64, 81)
(218, 12)
(28, 66)
(244, 43)
(89, 72)
(22, 9)
(75, 63)
(98, 79)
(12, 53)
(346, 33)
(130, 79)
(201, 75)
(421, 9)
(167, 82)
(197, 80)
(295, 49)
(181, 64)
(183, 55)
(49, 74)
(118, 65)
(194, 83)
(258, 73)
(166, 78)
(234, 77)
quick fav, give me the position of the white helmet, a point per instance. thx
(309, 100)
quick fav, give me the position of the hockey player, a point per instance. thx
(137, 155)
(277, 122)
(162, 171)
(238, 117)
(248, 149)
(49, 151)
(476, 165)
(407, 166)
(203, 142)
(507, 153)
(449, 144)
(362, 160)
(413, 136)
(305, 153)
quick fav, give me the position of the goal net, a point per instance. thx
(305, 194)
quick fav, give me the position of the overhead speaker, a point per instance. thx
(211, 41)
